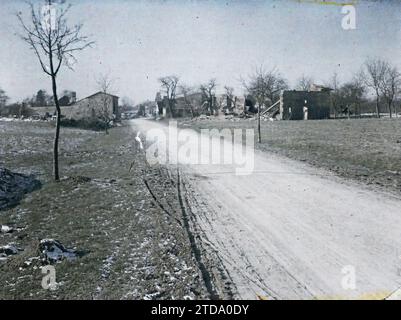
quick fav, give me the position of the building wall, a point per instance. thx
(197, 101)
(183, 109)
(92, 107)
(88, 108)
(47, 111)
(317, 102)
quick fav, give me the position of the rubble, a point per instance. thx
(8, 250)
(6, 229)
(52, 251)
(31, 261)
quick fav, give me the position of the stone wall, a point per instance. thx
(292, 105)
(87, 108)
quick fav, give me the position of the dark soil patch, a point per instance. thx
(13, 186)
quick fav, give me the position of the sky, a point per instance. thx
(139, 41)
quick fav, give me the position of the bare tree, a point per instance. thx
(335, 95)
(169, 85)
(104, 84)
(373, 73)
(304, 83)
(208, 91)
(351, 95)
(43, 99)
(265, 87)
(3, 98)
(127, 104)
(390, 86)
(54, 42)
(274, 83)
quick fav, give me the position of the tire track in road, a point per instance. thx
(290, 235)
(207, 278)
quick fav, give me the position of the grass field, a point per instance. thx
(367, 150)
(133, 249)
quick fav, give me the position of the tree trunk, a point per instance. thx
(192, 111)
(170, 108)
(57, 135)
(259, 135)
(377, 105)
(389, 109)
(58, 116)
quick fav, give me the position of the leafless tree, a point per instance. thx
(186, 91)
(264, 86)
(352, 94)
(127, 104)
(274, 83)
(373, 73)
(169, 85)
(54, 42)
(335, 95)
(105, 84)
(304, 83)
(209, 93)
(390, 86)
(3, 98)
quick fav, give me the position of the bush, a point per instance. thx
(16, 110)
(87, 124)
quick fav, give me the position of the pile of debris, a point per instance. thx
(7, 250)
(52, 251)
(13, 186)
(6, 229)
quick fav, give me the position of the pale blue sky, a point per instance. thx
(139, 41)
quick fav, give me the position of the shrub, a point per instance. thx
(88, 124)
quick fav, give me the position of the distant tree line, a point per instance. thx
(376, 78)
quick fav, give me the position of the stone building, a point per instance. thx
(95, 106)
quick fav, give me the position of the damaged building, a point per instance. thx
(195, 104)
(313, 104)
(89, 108)
(305, 105)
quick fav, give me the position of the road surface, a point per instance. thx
(291, 231)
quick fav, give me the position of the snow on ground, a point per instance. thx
(129, 248)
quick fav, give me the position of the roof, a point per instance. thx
(95, 94)
(319, 87)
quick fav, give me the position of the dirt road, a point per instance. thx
(290, 231)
